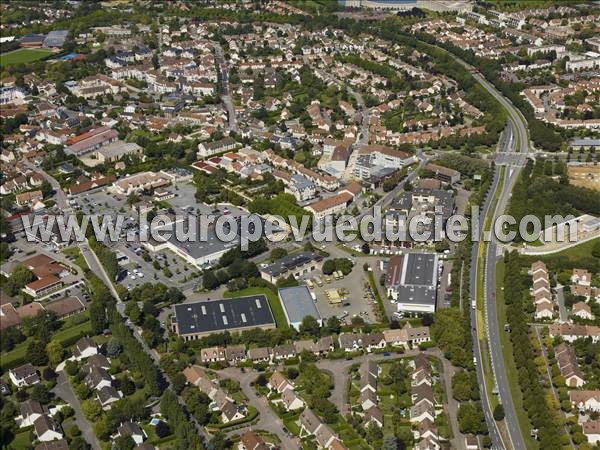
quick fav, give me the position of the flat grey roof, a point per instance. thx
(290, 262)
(197, 247)
(420, 269)
(221, 315)
(418, 295)
(298, 303)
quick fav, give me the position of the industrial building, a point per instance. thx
(411, 281)
(194, 320)
(297, 304)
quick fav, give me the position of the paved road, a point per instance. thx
(226, 96)
(560, 299)
(499, 371)
(64, 391)
(96, 268)
(268, 419)
(517, 141)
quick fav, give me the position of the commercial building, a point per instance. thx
(194, 320)
(297, 304)
(140, 182)
(297, 264)
(411, 280)
(90, 141)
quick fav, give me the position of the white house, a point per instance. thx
(24, 375)
(46, 429)
(84, 348)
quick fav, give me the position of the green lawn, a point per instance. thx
(577, 251)
(68, 336)
(273, 299)
(22, 440)
(23, 55)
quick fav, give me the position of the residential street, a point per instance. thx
(64, 391)
(268, 420)
(560, 299)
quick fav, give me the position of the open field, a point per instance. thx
(23, 55)
(587, 176)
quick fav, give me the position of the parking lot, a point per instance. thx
(355, 299)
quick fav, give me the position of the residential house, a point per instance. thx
(252, 441)
(98, 378)
(285, 351)
(585, 400)
(24, 376)
(351, 342)
(212, 354)
(373, 415)
(260, 354)
(84, 348)
(46, 429)
(572, 332)
(291, 401)
(374, 341)
(235, 353)
(279, 383)
(583, 311)
(133, 430)
(107, 395)
(30, 411)
(230, 412)
(591, 430)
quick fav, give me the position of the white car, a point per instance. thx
(140, 275)
(132, 277)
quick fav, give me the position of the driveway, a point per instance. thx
(64, 391)
(562, 309)
(268, 419)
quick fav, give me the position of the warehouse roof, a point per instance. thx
(222, 315)
(298, 303)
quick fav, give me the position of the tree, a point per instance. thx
(97, 316)
(309, 326)
(278, 253)
(91, 409)
(36, 353)
(124, 443)
(56, 352)
(390, 442)
(178, 382)
(334, 324)
(134, 312)
(596, 250)
(499, 412)
(209, 280)
(328, 266)
(40, 393)
(113, 348)
(78, 443)
(471, 419)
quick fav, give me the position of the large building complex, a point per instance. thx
(411, 280)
